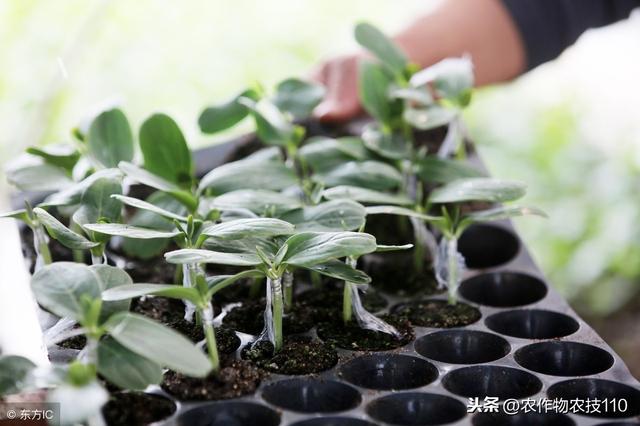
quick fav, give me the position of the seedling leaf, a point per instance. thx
(158, 343)
(110, 140)
(165, 150)
(478, 189)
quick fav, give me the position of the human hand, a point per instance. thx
(339, 75)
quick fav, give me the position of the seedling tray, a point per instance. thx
(528, 346)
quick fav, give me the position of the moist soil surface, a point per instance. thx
(351, 336)
(154, 270)
(394, 273)
(171, 313)
(136, 409)
(437, 313)
(248, 318)
(235, 379)
(163, 309)
(326, 303)
(299, 355)
(75, 342)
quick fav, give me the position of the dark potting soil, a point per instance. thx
(394, 273)
(248, 318)
(59, 253)
(154, 270)
(351, 336)
(236, 378)
(171, 313)
(136, 409)
(299, 355)
(226, 339)
(163, 309)
(437, 313)
(326, 303)
(75, 342)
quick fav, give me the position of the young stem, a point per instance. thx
(347, 309)
(277, 306)
(189, 279)
(210, 336)
(452, 276)
(41, 244)
(97, 255)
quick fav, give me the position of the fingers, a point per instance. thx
(340, 78)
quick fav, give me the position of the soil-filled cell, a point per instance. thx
(503, 289)
(386, 372)
(312, 396)
(462, 346)
(532, 324)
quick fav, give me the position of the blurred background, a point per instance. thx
(570, 128)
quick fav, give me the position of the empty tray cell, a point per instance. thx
(564, 358)
(333, 421)
(522, 419)
(226, 413)
(416, 408)
(623, 400)
(386, 372)
(503, 289)
(492, 380)
(462, 346)
(311, 395)
(486, 246)
(532, 324)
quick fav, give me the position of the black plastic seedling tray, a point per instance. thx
(528, 346)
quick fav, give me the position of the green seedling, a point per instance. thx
(453, 221)
(96, 205)
(308, 250)
(58, 167)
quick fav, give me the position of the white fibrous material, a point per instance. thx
(189, 273)
(366, 319)
(40, 239)
(450, 265)
(424, 237)
(452, 139)
(61, 330)
(268, 332)
(207, 314)
(287, 280)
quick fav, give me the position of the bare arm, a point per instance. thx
(481, 28)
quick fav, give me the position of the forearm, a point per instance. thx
(481, 28)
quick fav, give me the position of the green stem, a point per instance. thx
(97, 255)
(177, 275)
(78, 255)
(210, 335)
(347, 309)
(42, 245)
